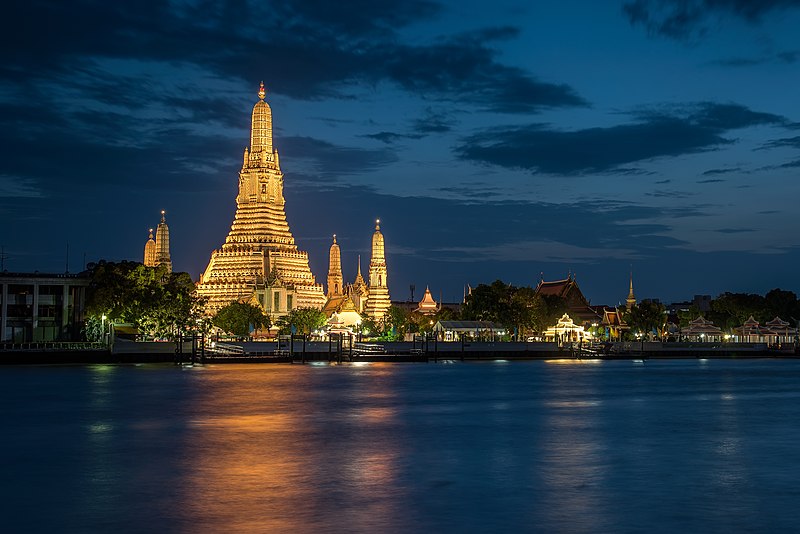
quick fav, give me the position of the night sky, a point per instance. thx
(493, 140)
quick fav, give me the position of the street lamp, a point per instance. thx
(103, 327)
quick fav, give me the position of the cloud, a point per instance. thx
(433, 122)
(793, 142)
(540, 148)
(314, 50)
(685, 19)
(334, 160)
(710, 181)
(788, 57)
(663, 193)
(391, 137)
(734, 230)
(715, 172)
(18, 187)
(533, 251)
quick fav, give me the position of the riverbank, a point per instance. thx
(259, 352)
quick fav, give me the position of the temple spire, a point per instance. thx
(335, 281)
(631, 300)
(261, 129)
(162, 243)
(378, 301)
(150, 251)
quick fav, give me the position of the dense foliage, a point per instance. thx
(241, 318)
(730, 310)
(516, 308)
(301, 321)
(647, 318)
(157, 302)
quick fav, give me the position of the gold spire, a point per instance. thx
(162, 255)
(378, 301)
(631, 300)
(335, 280)
(261, 131)
(150, 251)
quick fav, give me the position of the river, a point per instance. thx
(559, 446)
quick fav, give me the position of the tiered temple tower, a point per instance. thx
(378, 301)
(156, 251)
(259, 258)
(150, 251)
(335, 288)
(162, 243)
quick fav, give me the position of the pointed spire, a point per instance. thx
(163, 218)
(334, 239)
(631, 300)
(151, 233)
(359, 265)
(261, 91)
(377, 224)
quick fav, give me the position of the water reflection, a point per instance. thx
(292, 458)
(467, 447)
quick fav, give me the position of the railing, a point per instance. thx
(368, 348)
(52, 346)
(223, 349)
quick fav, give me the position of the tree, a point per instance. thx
(157, 302)
(646, 317)
(304, 320)
(240, 318)
(551, 310)
(783, 304)
(519, 308)
(733, 309)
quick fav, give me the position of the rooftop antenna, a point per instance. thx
(412, 287)
(66, 260)
(3, 257)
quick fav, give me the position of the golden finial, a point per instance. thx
(262, 92)
(334, 239)
(163, 219)
(377, 224)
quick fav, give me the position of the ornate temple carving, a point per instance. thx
(259, 255)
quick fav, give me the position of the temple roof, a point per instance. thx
(427, 305)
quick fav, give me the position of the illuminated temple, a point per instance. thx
(259, 260)
(156, 251)
(349, 302)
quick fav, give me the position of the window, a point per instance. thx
(263, 189)
(277, 302)
(288, 303)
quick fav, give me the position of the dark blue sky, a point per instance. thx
(493, 140)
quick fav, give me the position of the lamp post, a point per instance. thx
(103, 328)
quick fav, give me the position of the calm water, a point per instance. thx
(694, 446)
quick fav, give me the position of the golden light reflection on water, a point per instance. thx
(279, 464)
